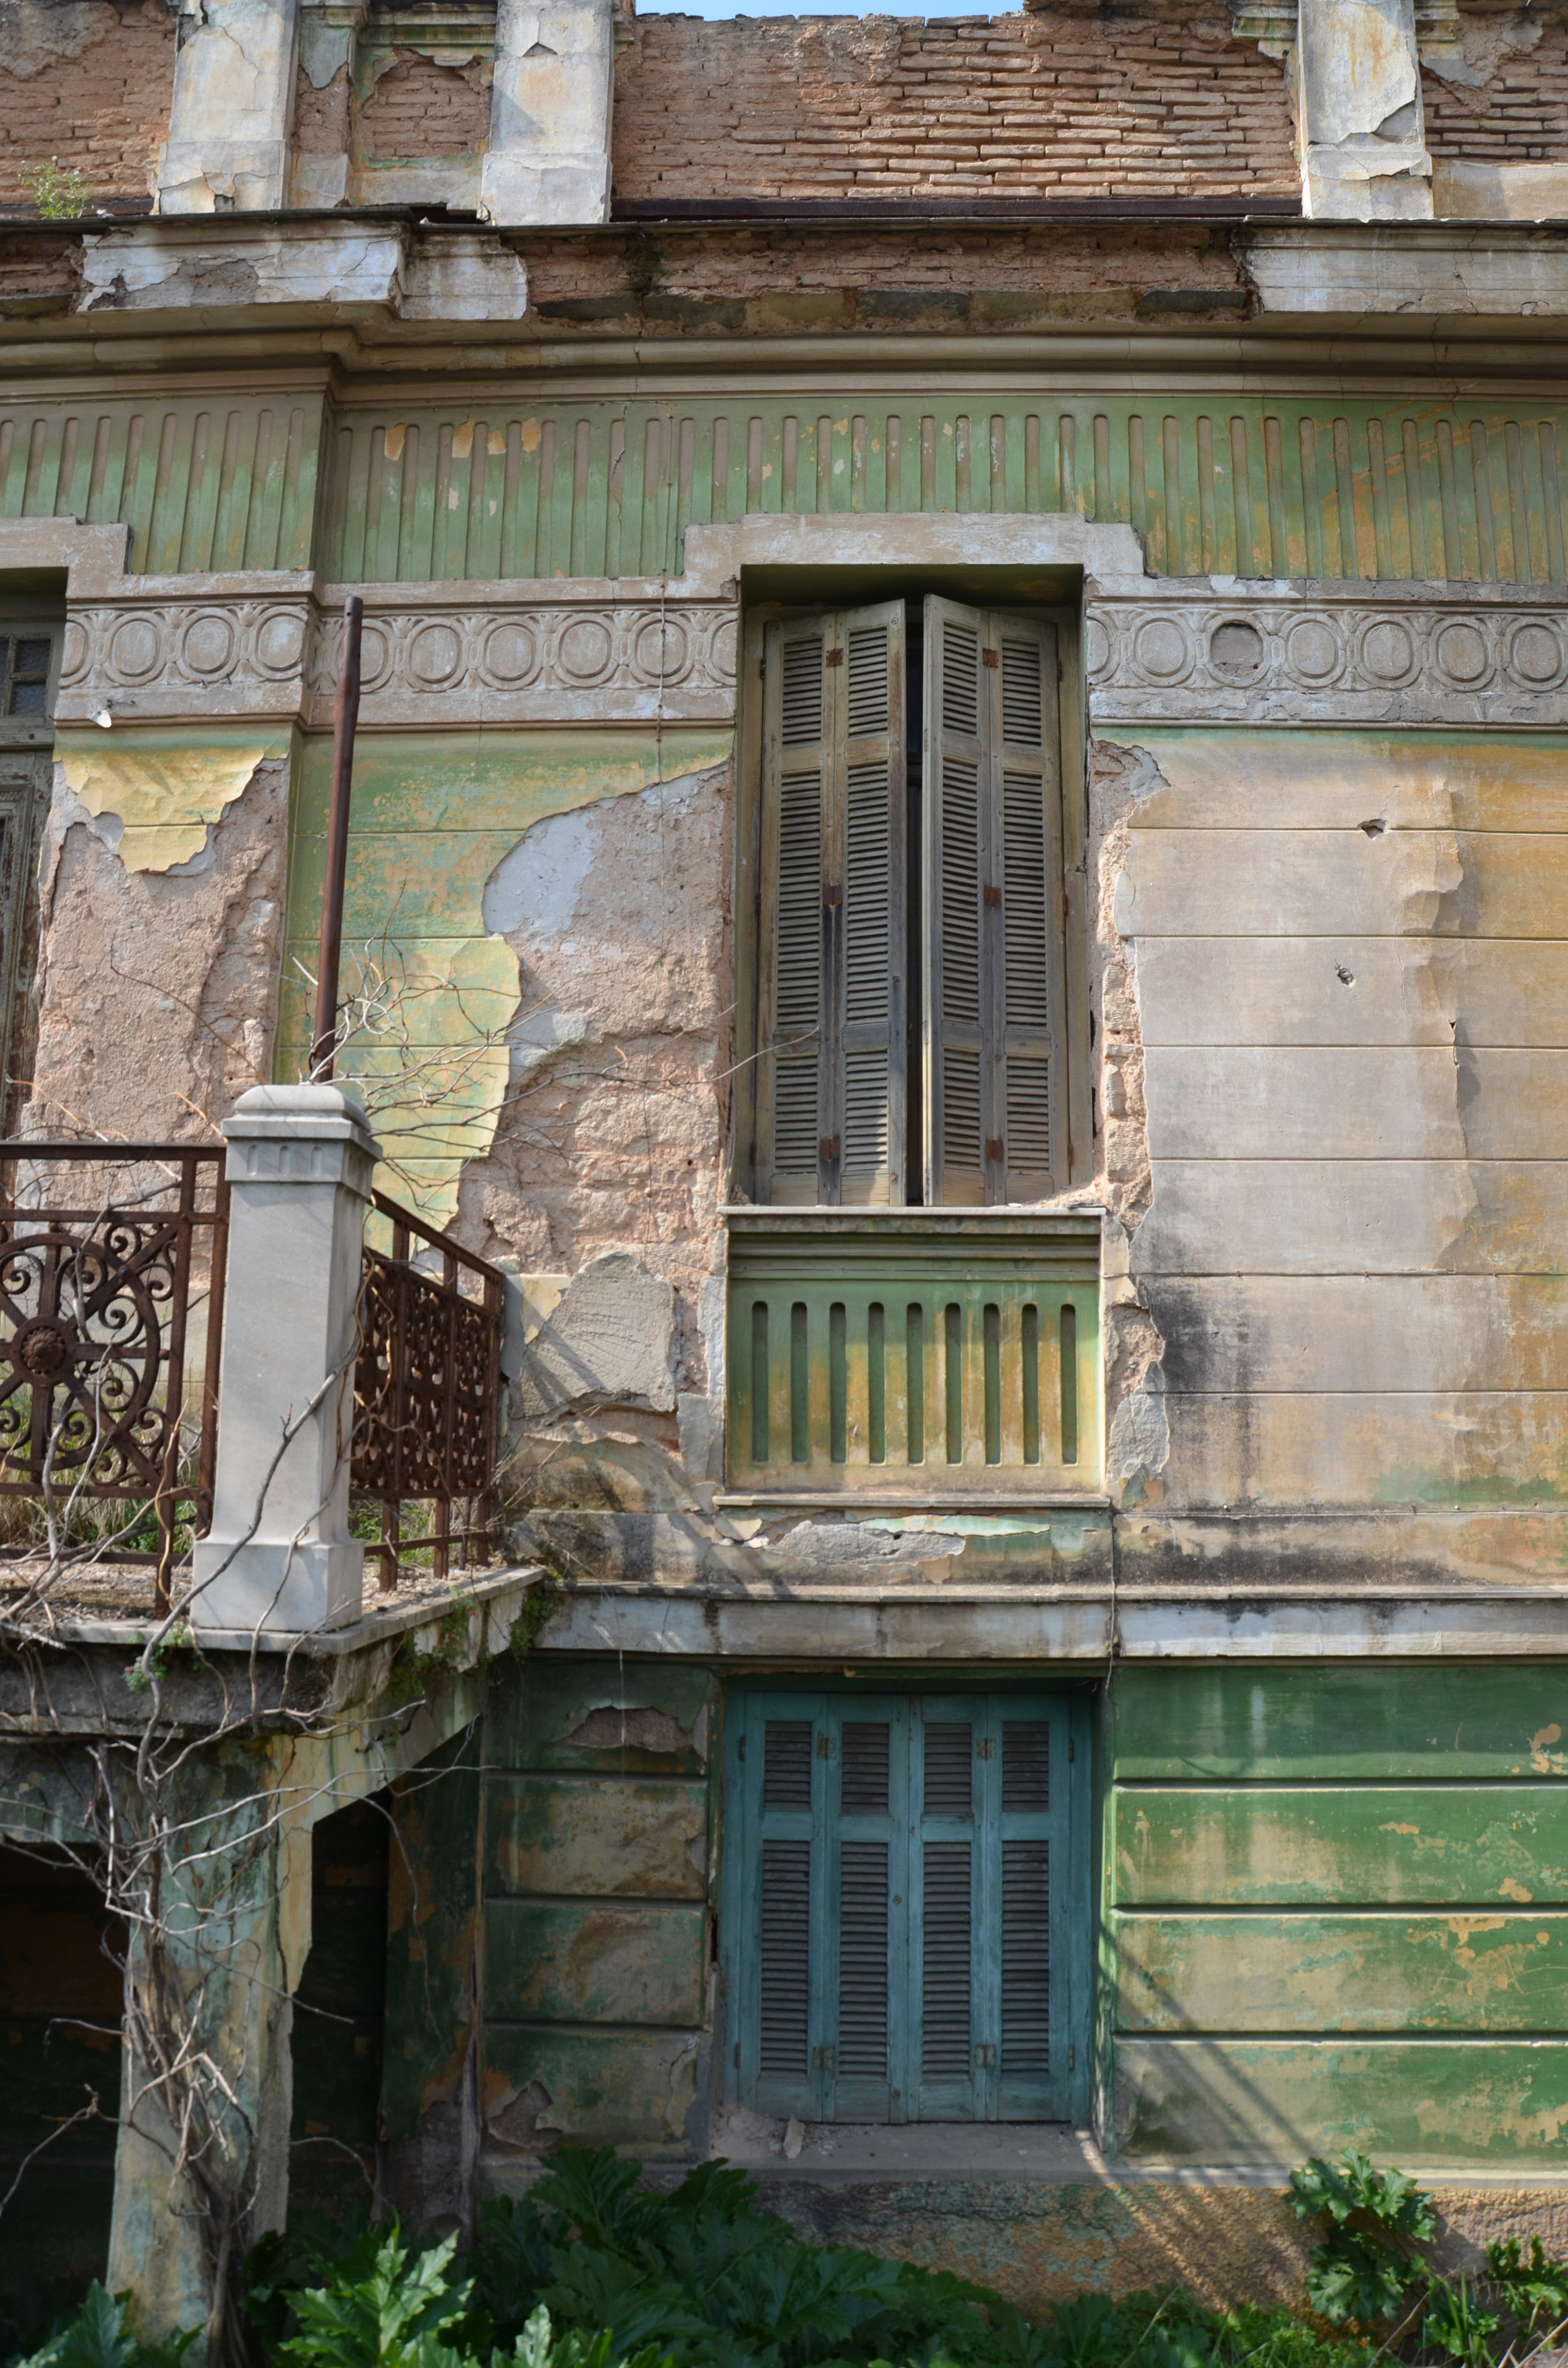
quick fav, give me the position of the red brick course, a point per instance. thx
(1519, 114)
(1052, 106)
(103, 112)
(420, 109)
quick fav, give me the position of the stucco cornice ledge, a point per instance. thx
(1437, 271)
(919, 1624)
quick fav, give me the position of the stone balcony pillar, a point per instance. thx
(280, 1554)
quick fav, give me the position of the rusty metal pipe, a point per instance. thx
(345, 715)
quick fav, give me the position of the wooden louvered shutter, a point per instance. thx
(833, 1017)
(994, 958)
(788, 1914)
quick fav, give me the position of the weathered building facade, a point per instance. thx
(957, 863)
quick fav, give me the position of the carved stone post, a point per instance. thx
(233, 107)
(550, 113)
(1359, 118)
(280, 1554)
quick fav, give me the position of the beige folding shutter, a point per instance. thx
(833, 1004)
(992, 806)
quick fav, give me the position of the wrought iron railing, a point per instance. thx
(913, 1356)
(101, 1275)
(428, 1389)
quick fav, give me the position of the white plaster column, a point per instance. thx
(550, 113)
(233, 107)
(280, 1554)
(1358, 114)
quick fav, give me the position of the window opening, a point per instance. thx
(905, 1927)
(912, 984)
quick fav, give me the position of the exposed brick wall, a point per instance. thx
(420, 109)
(321, 117)
(1106, 105)
(766, 278)
(91, 88)
(1519, 111)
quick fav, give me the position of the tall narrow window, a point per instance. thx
(878, 873)
(28, 648)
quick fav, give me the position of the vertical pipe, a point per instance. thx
(345, 714)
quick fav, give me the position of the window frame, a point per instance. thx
(846, 588)
(1066, 2094)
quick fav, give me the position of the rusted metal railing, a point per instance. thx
(427, 1388)
(100, 1273)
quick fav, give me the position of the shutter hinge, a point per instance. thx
(1072, 2059)
(1072, 1749)
(832, 895)
(737, 2055)
(825, 1747)
(821, 2059)
(993, 898)
(985, 1748)
(990, 657)
(834, 658)
(985, 2059)
(1060, 671)
(742, 1747)
(829, 1150)
(995, 1147)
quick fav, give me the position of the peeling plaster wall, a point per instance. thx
(612, 1140)
(161, 925)
(434, 816)
(1335, 1116)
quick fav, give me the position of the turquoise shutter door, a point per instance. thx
(782, 2042)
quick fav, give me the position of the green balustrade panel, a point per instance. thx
(913, 1353)
(207, 483)
(1246, 485)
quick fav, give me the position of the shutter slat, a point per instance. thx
(995, 950)
(785, 2009)
(833, 909)
(949, 1768)
(1026, 1764)
(945, 1970)
(862, 2051)
(1026, 1957)
(864, 1767)
(787, 1764)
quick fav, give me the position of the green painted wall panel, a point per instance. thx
(1470, 1973)
(599, 1837)
(203, 483)
(1377, 1722)
(1230, 485)
(630, 1718)
(1423, 2103)
(433, 1916)
(1448, 1844)
(611, 2088)
(586, 1961)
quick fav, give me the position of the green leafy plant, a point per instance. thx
(97, 2336)
(386, 2307)
(1457, 2326)
(1532, 2288)
(1366, 2268)
(58, 190)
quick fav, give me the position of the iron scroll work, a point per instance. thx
(427, 1388)
(96, 1301)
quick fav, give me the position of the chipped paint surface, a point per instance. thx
(434, 819)
(156, 798)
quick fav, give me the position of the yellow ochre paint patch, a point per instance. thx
(167, 798)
